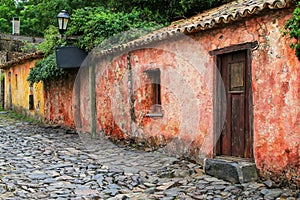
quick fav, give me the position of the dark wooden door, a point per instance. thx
(235, 139)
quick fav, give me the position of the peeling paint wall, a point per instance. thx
(124, 96)
(18, 90)
(275, 88)
(276, 97)
(59, 100)
(187, 81)
(276, 91)
(276, 94)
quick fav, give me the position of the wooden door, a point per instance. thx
(235, 139)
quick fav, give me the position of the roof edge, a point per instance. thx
(22, 59)
(209, 19)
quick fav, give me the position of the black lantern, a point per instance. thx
(63, 19)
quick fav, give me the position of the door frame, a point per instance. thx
(248, 47)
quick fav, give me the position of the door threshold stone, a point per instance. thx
(232, 171)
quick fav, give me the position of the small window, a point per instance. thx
(154, 77)
(236, 77)
(9, 77)
(31, 88)
(16, 81)
(31, 102)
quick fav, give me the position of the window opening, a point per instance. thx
(31, 102)
(154, 77)
(9, 77)
(31, 98)
(16, 76)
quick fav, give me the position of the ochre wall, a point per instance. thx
(53, 100)
(16, 78)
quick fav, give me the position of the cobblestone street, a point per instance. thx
(42, 162)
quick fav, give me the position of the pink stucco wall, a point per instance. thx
(123, 98)
(187, 81)
(275, 87)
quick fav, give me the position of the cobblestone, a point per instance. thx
(40, 162)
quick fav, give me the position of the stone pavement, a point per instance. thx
(42, 162)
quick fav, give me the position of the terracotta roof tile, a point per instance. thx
(226, 13)
(22, 59)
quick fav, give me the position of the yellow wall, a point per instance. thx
(17, 98)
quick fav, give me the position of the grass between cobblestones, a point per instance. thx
(12, 115)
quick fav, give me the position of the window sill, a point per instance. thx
(154, 115)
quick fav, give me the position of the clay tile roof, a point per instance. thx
(22, 59)
(224, 14)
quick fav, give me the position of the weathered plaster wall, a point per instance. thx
(17, 91)
(59, 100)
(276, 91)
(186, 97)
(276, 94)
(123, 100)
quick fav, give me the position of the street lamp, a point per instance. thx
(63, 18)
(67, 56)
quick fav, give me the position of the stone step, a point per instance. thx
(232, 171)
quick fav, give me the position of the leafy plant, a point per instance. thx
(7, 12)
(45, 69)
(50, 41)
(163, 11)
(28, 47)
(292, 27)
(96, 24)
(36, 15)
(191, 7)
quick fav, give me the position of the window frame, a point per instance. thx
(154, 75)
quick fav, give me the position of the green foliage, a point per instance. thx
(12, 116)
(162, 11)
(2, 76)
(28, 47)
(95, 25)
(45, 69)
(293, 29)
(192, 7)
(7, 12)
(50, 41)
(36, 15)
